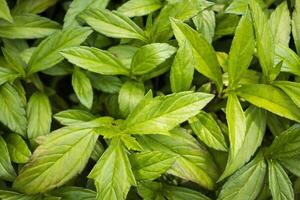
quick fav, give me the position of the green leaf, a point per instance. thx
(112, 24)
(292, 164)
(73, 117)
(279, 182)
(124, 53)
(161, 114)
(95, 60)
(7, 75)
(64, 153)
(264, 39)
(271, 99)
(139, 8)
(7, 171)
(208, 131)
(290, 60)
(130, 142)
(27, 26)
(193, 163)
(105, 83)
(236, 121)
(14, 61)
(225, 25)
(255, 130)
(204, 55)
(32, 6)
(12, 195)
(247, 182)
(83, 88)
(149, 190)
(12, 109)
(286, 145)
(241, 50)
(17, 148)
(149, 165)
(46, 55)
(296, 25)
(205, 23)
(39, 115)
(4, 11)
(71, 192)
(113, 165)
(182, 70)
(292, 89)
(130, 95)
(150, 56)
(280, 22)
(182, 193)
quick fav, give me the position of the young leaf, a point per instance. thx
(292, 89)
(46, 55)
(208, 131)
(83, 88)
(73, 117)
(130, 142)
(290, 60)
(255, 130)
(193, 163)
(130, 95)
(4, 11)
(280, 22)
(160, 114)
(17, 148)
(139, 8)
(241, 50)
(32, 6)
(150, 56)
(64, 153)
(27, 26)
(279, 182)
(149, 165)
(113, 165)
(236, 121)
(205, 23)
(112, 24)
(203, 53)
(296, 25)
(95, 60)
(12, 109)
(7, 75)
(7, 171)
(39, 115)
(271, 99)
(247, 182)
(182, 70)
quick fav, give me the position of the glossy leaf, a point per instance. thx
(17, 148)
(205, 23)
(73, 117)
(7, 171)
(139, 8)
(292, 89)
(296, 25)
(290, 60)
(32, 6)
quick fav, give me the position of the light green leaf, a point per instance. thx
(12, 109)
(150, 56)
(182, 70)
(160, 114)
(139, 8)
(292, 89)
(296, 25)
(271, 99)
(14, 61)
(290, 60)
(77, 6)
(95, 60)
(46, 55)
(27, 26)
(292, 164)
(182, 193)
(286, 145)
(12, 195)
(7, 171)
(193, 163)
(208, 131)
(241, 51)
(112, 24)
(71, 193)
(203, 53)
(7, 75)
(245, 183)
(39, 115)
(32, 6)
(279, 182)
(124, 53)
(130, 142)
(205, 23)
(130, 95)
(280, 22)
(61, 156)
(4, 11)
(236, 121)
(255, 130)
(149, 190)
(105, 83)
(83, 88)
(17, 148)
(113, 165)
(149, 165)
(73, 117)
(264, 39)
